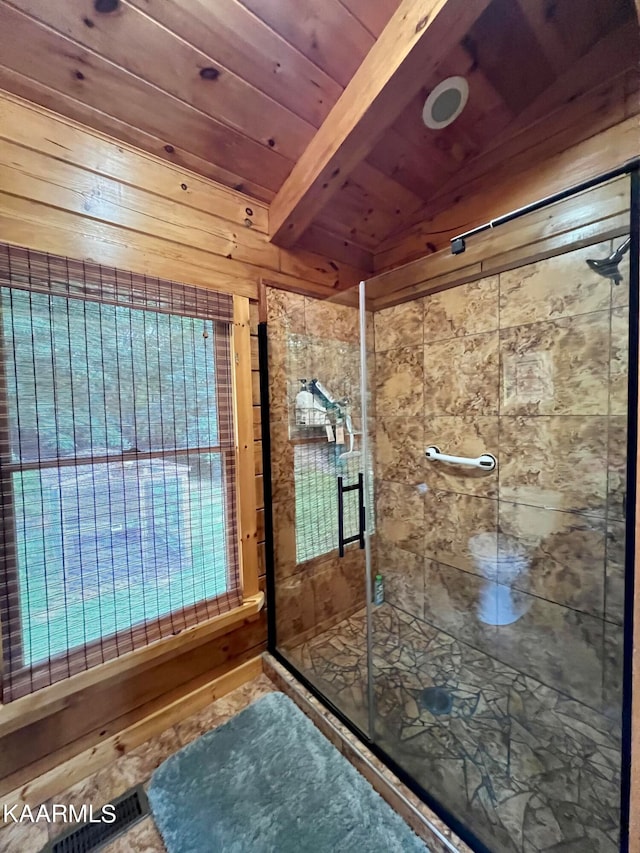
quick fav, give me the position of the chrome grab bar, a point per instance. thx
(487, 461)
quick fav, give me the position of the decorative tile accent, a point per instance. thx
(399, 326)
(558, 368)
(557, 287)
(462, 436)
(469, 309)
(399, 383)
(554, 462)
(461, 376)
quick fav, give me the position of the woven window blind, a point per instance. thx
(117, 464)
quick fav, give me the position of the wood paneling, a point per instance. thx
(78, 193)
(489, 197)
(540, 76)
(248, 498)
(127, 732)
(600, 213)
(409, 49)
(74, 192)
(96, 714)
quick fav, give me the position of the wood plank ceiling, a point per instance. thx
(236, 89)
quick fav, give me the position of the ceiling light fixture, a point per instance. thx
(445, 103)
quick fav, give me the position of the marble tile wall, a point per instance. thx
(308, 338)
(530, 365)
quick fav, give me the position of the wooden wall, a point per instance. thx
(60, 192)
(74, 191)
(420, 261)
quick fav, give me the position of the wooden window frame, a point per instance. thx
(120, 650)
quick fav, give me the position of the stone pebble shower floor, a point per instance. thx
(528, 768)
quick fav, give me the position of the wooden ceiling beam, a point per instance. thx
(415, 40)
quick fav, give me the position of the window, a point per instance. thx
(117, 464)
(317, 467)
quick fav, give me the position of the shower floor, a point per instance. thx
(524, 766)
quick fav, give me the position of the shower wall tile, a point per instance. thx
(619, 361)
(620, 292)
(469, 309)
(399, 499)
(613, 663)
(399, 443)
(554, 644)
(617, 467)
(461, 376)
(399, 326)
(400, 515)
(371, 336)
(558, 646)
(452, 523)
(282, 462)
(295, 606)
(279, 382)
(563, 554)
(338, 586)
(403, 574)
(616, 537)
(556, 368)
(285, 313)
(553, 288)
(451, 603)
(284, 537)
(399, 382)
(461, 436)
(325, 319)
(555, 462)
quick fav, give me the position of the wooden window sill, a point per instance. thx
(29, 709)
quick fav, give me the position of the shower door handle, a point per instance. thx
(486, 461)
(359, 536)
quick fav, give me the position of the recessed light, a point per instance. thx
(445, 103)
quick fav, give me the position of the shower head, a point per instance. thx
(608, 267)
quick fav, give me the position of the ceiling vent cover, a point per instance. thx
(445, 102)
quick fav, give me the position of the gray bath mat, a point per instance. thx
(269, 781)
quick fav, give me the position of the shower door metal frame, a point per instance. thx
(464, 832)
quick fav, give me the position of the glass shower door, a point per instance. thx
(317, 496)
(497, 653)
